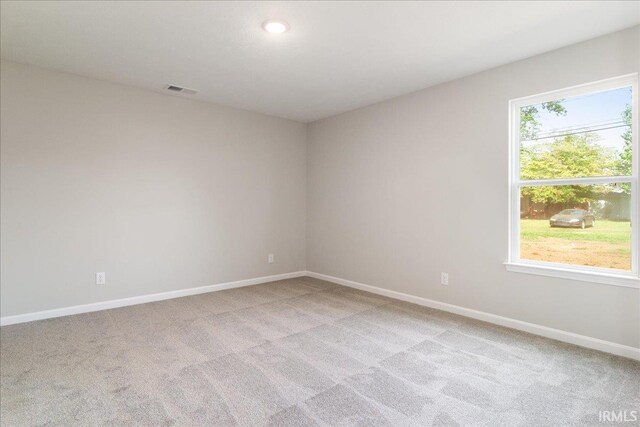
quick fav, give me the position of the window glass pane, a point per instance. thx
(586, 225)
(583, 136)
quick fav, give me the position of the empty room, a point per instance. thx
(338, 213)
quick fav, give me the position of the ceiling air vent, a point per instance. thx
(180, 89)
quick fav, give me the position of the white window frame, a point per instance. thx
(568, 271)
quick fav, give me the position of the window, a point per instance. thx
(574, 183)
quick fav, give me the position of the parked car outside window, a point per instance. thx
(573, 218)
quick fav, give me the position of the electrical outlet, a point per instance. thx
(101, 278)
(444, 279)
(270, 259)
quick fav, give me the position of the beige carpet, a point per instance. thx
(299, 352)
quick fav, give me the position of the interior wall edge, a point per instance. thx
(141, 299)
(532, 328)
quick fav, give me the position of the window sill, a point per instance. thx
(626, 280)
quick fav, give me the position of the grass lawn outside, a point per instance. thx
(606, 245)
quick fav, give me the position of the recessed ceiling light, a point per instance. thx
(275, 26)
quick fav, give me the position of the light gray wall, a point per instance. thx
(159, 192)
(408, 188)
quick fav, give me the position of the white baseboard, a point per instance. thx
(105, 305)
(556, 334)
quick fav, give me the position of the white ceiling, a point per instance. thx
(338, 55)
